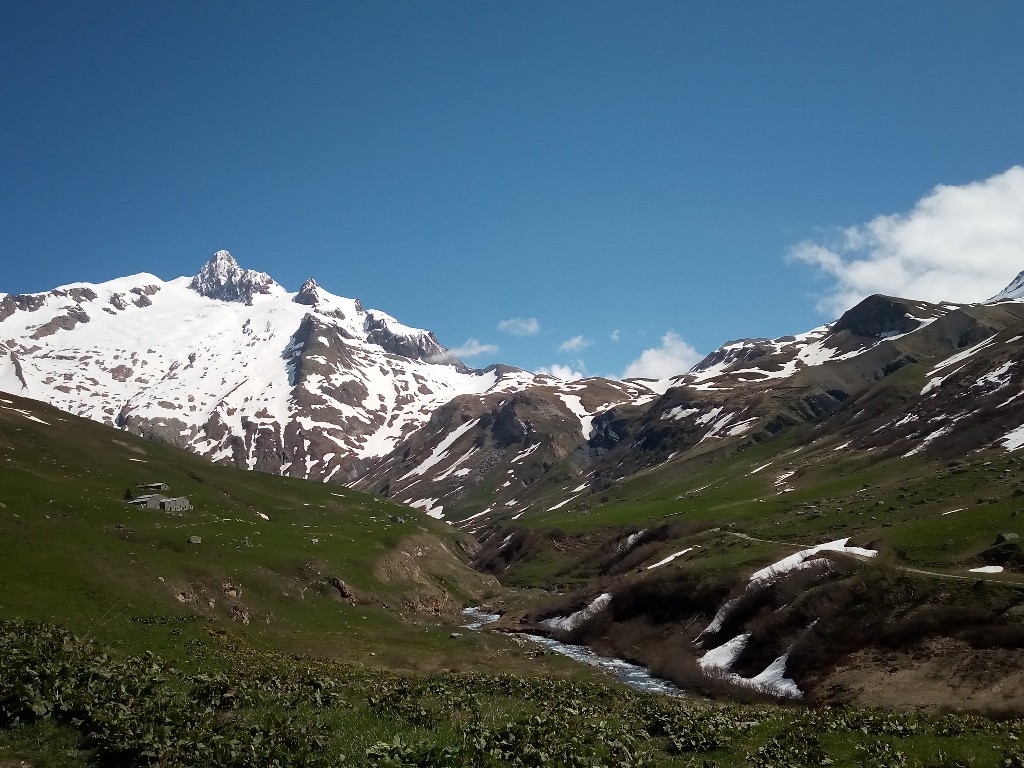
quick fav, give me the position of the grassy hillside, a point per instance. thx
(282, 564)
(937, 515)
(296, 631)
(675, 545)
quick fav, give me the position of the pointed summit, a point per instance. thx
(221, 278)
(1015, 290)
(308, 294)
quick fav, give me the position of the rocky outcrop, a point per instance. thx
(421, 345)
(72, 317)
(308, 294)
(221, 278)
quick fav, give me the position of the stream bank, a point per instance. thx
(633, 675)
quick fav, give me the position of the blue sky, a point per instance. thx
(622, 177)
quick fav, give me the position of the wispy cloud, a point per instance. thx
(520, 326)
(960, 243)
(575, 344)
(564, 372)
(615, 335)
(473, 348)
(672, 358)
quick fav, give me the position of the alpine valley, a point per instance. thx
(831, 516)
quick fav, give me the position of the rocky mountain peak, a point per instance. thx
(1015, 290)
(308, 294)
(221, 278)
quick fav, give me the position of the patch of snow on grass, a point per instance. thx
(988, 569)
(575, 619)
(473, 517)
(998, 376)
(455, 466)
(627, 543)
(441, 451)
(561, 504)
(780, 481)
(1014, 439)
(934, 383)
(706, 418)
(26, 414)
(575, 404)
(671, 557)
(724, 656)
(680, 412)
(741, 427)
(961, 356)
(798, 560)
(929, 438)
(525, 453)
(774, 679)
(427, 505)
(719, 618)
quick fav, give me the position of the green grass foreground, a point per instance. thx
(65, 701)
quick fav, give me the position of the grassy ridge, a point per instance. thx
(287, 564)
(942, 516)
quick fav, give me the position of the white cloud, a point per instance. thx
(575, 344)
(672, 358)
(472, 348)
(564, 372)
(961, 243)
(520, 326)
(615, 335)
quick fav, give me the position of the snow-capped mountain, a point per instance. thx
(234, 367)
(892, 376)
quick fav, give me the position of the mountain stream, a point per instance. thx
(632, 675)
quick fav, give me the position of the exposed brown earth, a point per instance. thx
(934, 674)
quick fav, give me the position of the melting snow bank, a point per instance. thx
(988, 569)
(772, 680)
(804, 559)
(633, 675)
(574, 620)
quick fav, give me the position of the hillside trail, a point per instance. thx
(905, 568)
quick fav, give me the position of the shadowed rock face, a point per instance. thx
(422, 346)
(308, 294)
(878, 316)
(11, 303)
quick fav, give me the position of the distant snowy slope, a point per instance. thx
(231, 365)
